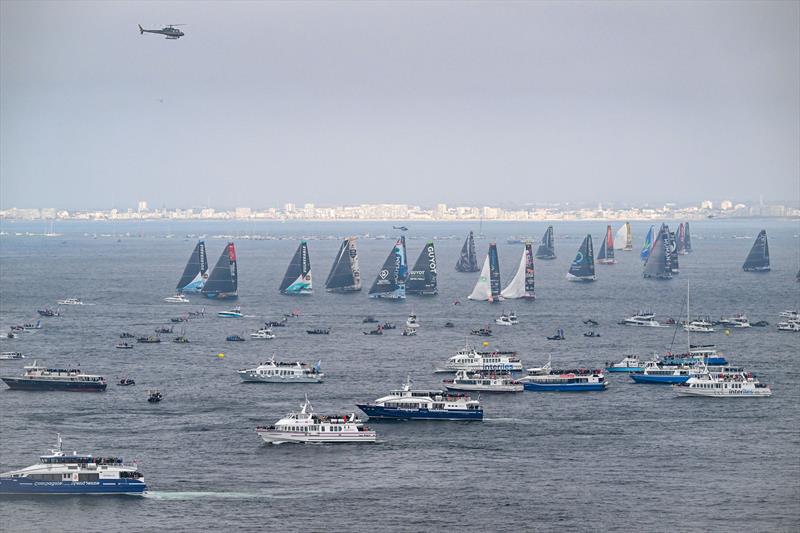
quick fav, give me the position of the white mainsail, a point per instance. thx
(621, 237)
(516, 289)
(483, 289)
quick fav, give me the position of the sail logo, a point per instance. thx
(431, 259)
(383, 274)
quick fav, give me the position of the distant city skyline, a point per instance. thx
(334, 103)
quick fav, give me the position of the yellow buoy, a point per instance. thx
(485, 343)
(727, 332)
(220, 355)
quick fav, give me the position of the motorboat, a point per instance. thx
(646, 321)
(482, 332)
(411, 321)
(70, 301)
(126, 382)
(306, 426)
(591, 334)
(389, 325)
(409, 332)
(319, 331)
(47, 312)
(164, 329)
(148, 339)
(503, 320)
(177, 299)
(123, 346)
(736, 321)
(126, 335)
(629, 363)
(377, 331)
(263, 334)
(790, 314)
(234, 338)
(236, 312)
(791, 325)
(559, 336)
(369, 320)
(154, 396)
(10, 356)
(698, 326)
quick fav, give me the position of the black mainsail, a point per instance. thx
(547, 249)
(194, 275)
(672, 250)
(297, 279)
(658, 261)
(390, 282)
(224, 279)
(468, 262)
(758, 258)
(582, 267)
(345, 275)
(422, 278)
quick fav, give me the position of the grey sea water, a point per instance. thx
(633, 457)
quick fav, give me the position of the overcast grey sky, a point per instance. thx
(346, 102)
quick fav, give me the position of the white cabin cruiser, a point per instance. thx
(737, 321)
(279, 372)
(411, 321)
(503, 320)
(791, 315)
(698, 326)
(10, 356)
(791, 325)
(306, 426)
(70, 301)
(177, 299)
(646, 321)
(263, 334)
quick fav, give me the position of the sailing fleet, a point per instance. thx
(395, 280)
(699, 372)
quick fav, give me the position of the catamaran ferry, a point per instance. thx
(72, 473)
(723, 385)
(483, 382)
(418, 404)
(42, 378)
(655, 372)
(306, 426)
(472, 360)
(566, 380)
(702, 353)
(630, 363)
(280, 372)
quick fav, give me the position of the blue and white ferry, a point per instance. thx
(578, 380)
(655, 372)
(471, 360)
(418, 404)
(73, 473)
(706, 353)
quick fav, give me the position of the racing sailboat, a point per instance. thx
(468, 262)
(606, 254)
(196, 270)
(522, 286)
(624, 238)
(297, 279)
(658, 260)
(422, 278)
(582, 267)
(648, 244)
(391, 280)
(487, 288)
(680, 239)
(345, 275)
(546, 248)
(223, 282)
(758, 258)
(687, 239)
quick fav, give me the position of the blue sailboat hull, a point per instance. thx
(376, 411)
(221, 295)
(103, 486)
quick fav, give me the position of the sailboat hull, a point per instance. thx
(221, 295)
(586, 279)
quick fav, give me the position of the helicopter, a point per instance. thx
(401, 228)
(169, 31)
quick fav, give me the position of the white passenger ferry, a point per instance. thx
(483, 382)
(470, 359)
(723, 385)
(306, 426)
(279, 372)
(63, 472)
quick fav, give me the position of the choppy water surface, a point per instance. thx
(632, 457)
